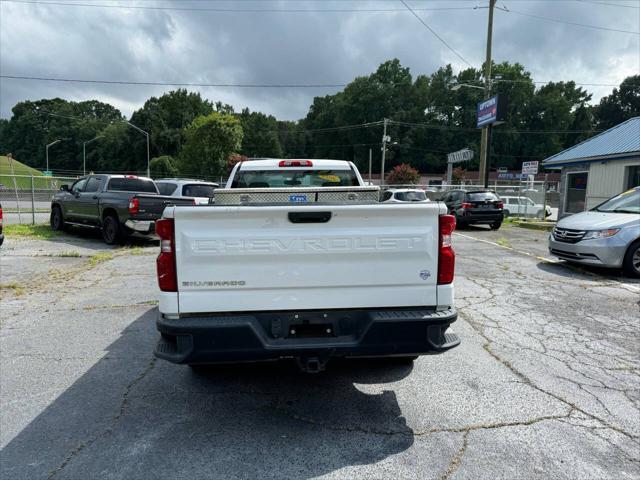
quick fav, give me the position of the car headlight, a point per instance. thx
(600, 234)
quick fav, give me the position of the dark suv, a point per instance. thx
(473, 207)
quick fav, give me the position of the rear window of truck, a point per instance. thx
(132, 185)
(284, 178)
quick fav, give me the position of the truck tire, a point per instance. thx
(506, 213)
(56, 219)
(631, 262)
(495, 225)
(112, 230)
(540, 215)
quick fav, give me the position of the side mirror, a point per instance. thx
(64, 188)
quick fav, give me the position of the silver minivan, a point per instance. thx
(607, 235)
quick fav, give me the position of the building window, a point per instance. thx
(633, 176)
(576, 192)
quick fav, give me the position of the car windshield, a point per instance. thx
(198, 190)
(132, 184)
(481, 196)
(626, 202)
(411, 196)
(294, 178)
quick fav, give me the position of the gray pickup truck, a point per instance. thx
(117, 204)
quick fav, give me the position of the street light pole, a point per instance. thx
(84, 153)
(147, 135)
(47, 151)
(483, 169)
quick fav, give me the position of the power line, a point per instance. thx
(435, 34)
(258, 85)
(229, 10)
(175, 84)
(555, 20)
(471, 129)
(609, 4)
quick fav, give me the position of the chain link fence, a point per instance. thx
(531, 200)
(27, 199)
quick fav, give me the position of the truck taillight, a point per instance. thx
(295, 163)
(446, 255)
(166, 261)
(500, 204)
(134, 205)
(466, 206)
(0, 216)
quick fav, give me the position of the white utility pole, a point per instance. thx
(385, 139)
(369, 166)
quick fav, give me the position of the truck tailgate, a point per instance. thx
(150, 207)
(273, 258)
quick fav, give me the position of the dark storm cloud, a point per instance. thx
(276, 48)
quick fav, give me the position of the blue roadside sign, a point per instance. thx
(47, 173)
(487, 111)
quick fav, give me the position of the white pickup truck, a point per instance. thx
(298, 259)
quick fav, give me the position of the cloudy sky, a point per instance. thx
(216, 42)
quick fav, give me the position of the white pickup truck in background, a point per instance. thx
(298, 259)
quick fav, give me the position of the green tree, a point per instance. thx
(621, 105)
(260, 135)
(37, 123)
(209, 141)
(165, 118)
(163, 167)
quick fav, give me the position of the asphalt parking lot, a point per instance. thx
(546, 382)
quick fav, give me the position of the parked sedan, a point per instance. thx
(607, 235)
(474, 207)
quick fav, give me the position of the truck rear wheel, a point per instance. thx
(111, 230)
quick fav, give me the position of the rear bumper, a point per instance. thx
(141, 226)
(307, 334)
(489, 217)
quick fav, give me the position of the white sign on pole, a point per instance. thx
(530, 168)
(460, 156)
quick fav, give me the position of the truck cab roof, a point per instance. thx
(309, 164)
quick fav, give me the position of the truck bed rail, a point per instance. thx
(275, 196)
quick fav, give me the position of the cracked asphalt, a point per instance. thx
(546, 382)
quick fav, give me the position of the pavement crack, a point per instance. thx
(121, 410)
(457, 459)
(527, 381)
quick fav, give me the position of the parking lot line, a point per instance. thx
(529, 254)
(627, 286)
